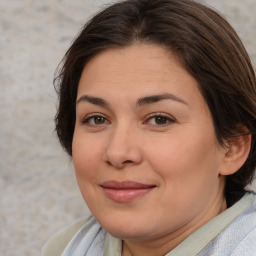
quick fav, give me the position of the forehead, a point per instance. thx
(137, 70)
(139, 57)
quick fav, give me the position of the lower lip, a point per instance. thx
(125, 195)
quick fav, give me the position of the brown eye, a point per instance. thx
(95, 120)
(160, 120)
(99, 120)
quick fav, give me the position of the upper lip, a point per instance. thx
(112, 184)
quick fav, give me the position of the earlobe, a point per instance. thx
(236, 154)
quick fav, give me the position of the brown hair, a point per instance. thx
(206, 45)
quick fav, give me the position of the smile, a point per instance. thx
(126, 191)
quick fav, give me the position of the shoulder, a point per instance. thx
(239, 236)
(247, 245)
(58, 242)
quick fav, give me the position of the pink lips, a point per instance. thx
(126, 191)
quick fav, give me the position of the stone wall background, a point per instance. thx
(37, 185)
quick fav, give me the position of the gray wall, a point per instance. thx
(37, 185)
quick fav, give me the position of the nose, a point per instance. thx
(123, 148)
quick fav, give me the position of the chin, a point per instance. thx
(128, 234)
(124, 228)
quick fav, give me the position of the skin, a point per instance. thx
(169, 143)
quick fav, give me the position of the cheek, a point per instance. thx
(86, 160)
(86, 157)
(189, 173)
(168, 151)
(185, 158)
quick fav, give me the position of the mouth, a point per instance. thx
(125, 191)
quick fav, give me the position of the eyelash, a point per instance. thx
(93, 117)
(168, 120)
(162, 117)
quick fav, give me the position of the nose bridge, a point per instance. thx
(120, 134)
(122, 147)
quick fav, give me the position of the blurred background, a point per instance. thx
(38, 190)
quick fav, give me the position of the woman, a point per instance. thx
(157, 108)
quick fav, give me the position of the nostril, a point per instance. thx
(120, 164)
(127, 162)
(108, 163)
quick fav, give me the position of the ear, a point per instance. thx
(237, 151)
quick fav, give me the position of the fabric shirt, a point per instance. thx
(231, 233)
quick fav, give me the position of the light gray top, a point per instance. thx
(232, 233)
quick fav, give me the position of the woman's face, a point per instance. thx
(144, 149)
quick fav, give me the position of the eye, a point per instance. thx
(95, 120)
(159, 120)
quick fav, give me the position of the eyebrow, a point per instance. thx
(140, 102)
(156, 98)
(93, 100)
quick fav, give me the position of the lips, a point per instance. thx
(126, 191)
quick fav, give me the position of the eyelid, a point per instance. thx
(93, 115)
(170, 118)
